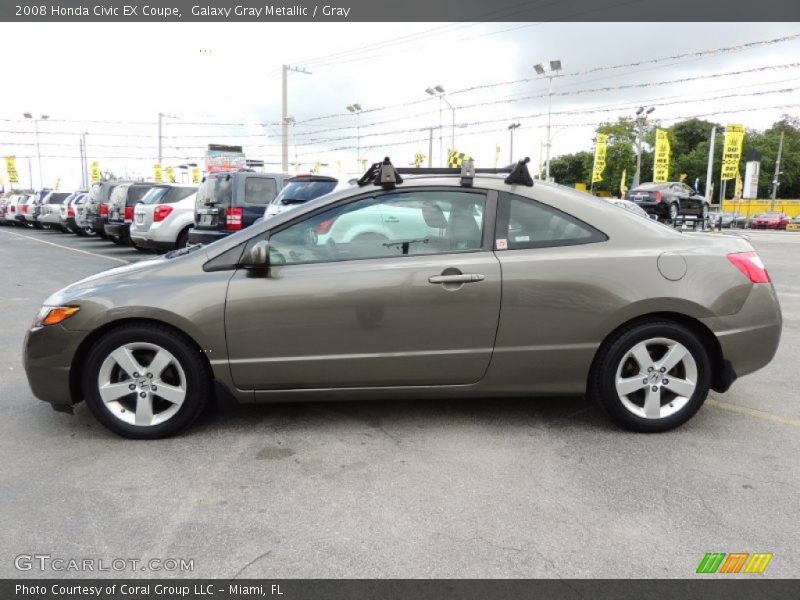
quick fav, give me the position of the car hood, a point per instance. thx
(125, 275)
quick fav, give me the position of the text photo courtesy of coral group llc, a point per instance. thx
(414, 300)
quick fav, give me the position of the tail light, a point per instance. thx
(233, 218)
(750, 264)
(658, 196)
(70, 211)
(161, 212)
(325, 226)
(128, 214)
(25, 208)
(104, 210)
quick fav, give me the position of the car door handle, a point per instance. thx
(463, 278)
(391, 220)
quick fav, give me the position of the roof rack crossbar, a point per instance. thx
(451, 171)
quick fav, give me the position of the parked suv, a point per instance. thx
(123, 199)
(13, 205)
(161, 221)
(299, 190)
(50, 209)
(70, 221)
(228, 202)
(669, 200)
(96, 205)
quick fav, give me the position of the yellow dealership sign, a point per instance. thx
(170, 172)
(732, 151)
(11, 169)
(96, 174)
(661, 165)
(158, 173)
(195, 174)
(600, 149)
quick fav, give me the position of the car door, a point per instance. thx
(694, 201)
(259, 191)
(396, 288)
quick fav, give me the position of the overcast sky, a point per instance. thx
(230, 72)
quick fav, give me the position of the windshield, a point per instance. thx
(57, 197)
(153, 195)
(215, 190)
(303, 191)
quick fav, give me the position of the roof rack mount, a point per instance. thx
(386, 175)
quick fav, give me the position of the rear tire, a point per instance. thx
(673, 212)
(627, 380)
(129, 369)
(183, 239)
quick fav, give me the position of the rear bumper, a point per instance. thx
(98, 224)
(47, 358)
(117, 230)
(750, 338)
(654, 208)
(152, 244)
(206, 236)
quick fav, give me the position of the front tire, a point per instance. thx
(673, 212)
(651, 376)
(145, 381)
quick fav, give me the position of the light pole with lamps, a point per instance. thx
(511, 129)
(28, 115)
(641, 121)
(555, 67)
(439, 92)
(356, 109)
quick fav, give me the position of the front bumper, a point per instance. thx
(118, 230)
(206, 236)
(750, 338)
(47, 357)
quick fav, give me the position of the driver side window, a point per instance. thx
(399, 223)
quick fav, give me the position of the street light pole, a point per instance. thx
(555, 67)
(511, 129)
(356, 109)
(438, 90)
(775, 182)
(641, 121)
(28, 115)
(285, 113)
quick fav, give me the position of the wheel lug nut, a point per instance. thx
(136, 374)
(143, 395)
(649, 369)
(663, 370)
(132, 387)
(149, 375)
(654, 388)
(154, 388)
(665, 381)
(643, 381)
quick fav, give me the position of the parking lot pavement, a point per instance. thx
(501, 488)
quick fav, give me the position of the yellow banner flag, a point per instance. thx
(600, 150)
(623, 187)
(661, 164)
(737, 192)
(732, 151)
(11, 169)
(57, 186)
(419, 158)
(196, 175)
(456, 158)
(95, 172)
(496, 154)
(170, 173)
(158, 173)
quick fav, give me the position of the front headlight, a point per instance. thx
(53, 315)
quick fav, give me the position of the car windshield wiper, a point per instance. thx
(182, 251)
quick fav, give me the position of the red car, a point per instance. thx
(770, 220)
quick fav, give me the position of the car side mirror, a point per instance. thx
(256, 256)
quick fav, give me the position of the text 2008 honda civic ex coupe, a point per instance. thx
(416, 284)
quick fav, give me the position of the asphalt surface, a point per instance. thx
(504, 488)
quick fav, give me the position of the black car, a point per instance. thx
(228, 202)
(669, 200)
(120, 210)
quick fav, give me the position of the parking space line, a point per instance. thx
(28, 237)
(751, 412)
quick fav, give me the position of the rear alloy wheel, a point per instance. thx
(673, 211)
(144, 381)
(652, 377)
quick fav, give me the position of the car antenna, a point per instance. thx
(519, 174)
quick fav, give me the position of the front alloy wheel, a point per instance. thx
(673, 211)
(145, 381)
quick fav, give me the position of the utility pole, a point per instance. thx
(641, 121)
(430, 147)
(28, 115)
(80, 154)
(775, 182)
(710, 169)
(285, 113)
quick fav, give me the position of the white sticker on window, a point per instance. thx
(522, 238)
(502, 244)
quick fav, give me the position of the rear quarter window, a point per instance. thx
(260, 190)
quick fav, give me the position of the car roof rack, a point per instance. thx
(387, 176)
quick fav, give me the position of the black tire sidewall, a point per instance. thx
(604, 373)
(197, 379)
